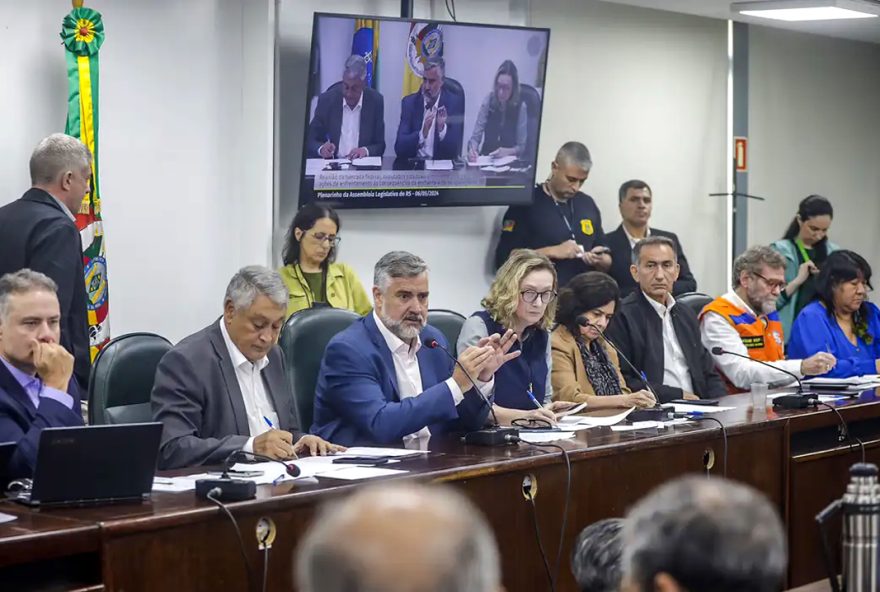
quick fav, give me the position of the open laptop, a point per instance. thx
(94, 465)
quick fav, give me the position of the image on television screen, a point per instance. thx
(421, 113)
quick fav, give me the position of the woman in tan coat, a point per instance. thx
(585, 368)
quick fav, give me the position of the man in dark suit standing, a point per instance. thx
(38, 232)
(37, 389)
(223, 389)
(659, 336)
(635, 202)
(431, 120)
(349, 120)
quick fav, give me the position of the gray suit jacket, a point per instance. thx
(197, 398)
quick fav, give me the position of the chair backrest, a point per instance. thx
(303, 340)
(532, 99)
(696, 301)
(448, 322)
(453, 86)
(122, 378)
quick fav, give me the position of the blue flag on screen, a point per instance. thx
(366, 43)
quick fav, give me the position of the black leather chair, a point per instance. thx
(529, 95)
(303, 340)
(696, 301)
(122, 378)
(449, 323)
(453, 86)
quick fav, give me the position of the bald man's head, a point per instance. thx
(399, 538)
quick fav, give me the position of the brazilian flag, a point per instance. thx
(365, 43)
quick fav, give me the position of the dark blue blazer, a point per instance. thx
(412, 112)
(20, 422)
(357, 401)
(327, 122)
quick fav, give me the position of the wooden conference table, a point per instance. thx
(177, 542)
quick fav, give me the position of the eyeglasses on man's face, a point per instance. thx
(772, 284)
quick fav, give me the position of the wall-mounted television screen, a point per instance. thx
(421, 113)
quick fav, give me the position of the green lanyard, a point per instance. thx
(803, 250)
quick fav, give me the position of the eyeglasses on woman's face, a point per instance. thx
(322, 237)
(531, 296)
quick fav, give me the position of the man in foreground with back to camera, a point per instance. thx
(37, 388)
(378, 382)
(744, 321)
(223, 389)
(399, 538)
(699, 535)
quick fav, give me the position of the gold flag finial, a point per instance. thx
(77, 3)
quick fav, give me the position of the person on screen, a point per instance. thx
(804, 246)
(841, 322)
(349, 120)
(386, 379)
(561, 223)
(635, 201)
(523, 299)
(502, 122)
(37, 386)
(744, 321)
(310, 271)
(585, 367)
(431, 120)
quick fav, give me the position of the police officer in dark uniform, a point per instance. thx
(562, 223)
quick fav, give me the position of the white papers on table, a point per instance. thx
(487, 161)
(852, 383)
(316, 165)
(438, 165)
(495, 169)
(572, 410)
(354, 473)
(574, 422)
(644, 425)
(541, 437)
(374, 451)
(6, 518)
(176, 484)
(684, 408)
(822, 398)
(367, 161)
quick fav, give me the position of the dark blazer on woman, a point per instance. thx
(621, 259)
(637, 331)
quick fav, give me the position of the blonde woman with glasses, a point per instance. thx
(522, 299)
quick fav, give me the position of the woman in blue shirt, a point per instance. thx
(842, 321)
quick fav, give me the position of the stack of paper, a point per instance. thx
(438, 165)
(367, 161)
(855, 383)
(582, 422)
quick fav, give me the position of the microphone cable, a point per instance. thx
(212, 496)
(723, 437)
(845, 429)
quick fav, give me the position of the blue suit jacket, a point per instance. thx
(357, 401)
(20, 422)
(412, 112)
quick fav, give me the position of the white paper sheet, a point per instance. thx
(541, 437)
(572, 411)
(486, 160)
(367, 161)
(354, 473)
(373, 451)
(591, 421)
(495, 169)
(683, 408)
(438, 165)
(316, 165)
(6, 518)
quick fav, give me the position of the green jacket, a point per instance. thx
(344, 289)
(786, 307)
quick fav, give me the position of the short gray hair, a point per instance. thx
(252, 280)
(435, 62)
(653, 241)
(575, 153)
(57, 154)
(595, 560)
(397, 264)
(710, 535)
(21, 282)
(342, 552)
(356, 67)
(754, 259)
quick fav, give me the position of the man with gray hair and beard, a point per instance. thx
(223, 389)
(399, 538)
(379, 385)
(699, 535)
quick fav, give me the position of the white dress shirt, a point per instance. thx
(716, 331)
(257, 404)
(633, 240)
(675, 367)
(349, 136)
(426, 142)
(409, 376)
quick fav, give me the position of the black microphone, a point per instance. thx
(584, 322)
(717, 351)
(493, 436)
(240, 455)
(434, 344)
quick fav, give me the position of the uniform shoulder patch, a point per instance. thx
(508, 226)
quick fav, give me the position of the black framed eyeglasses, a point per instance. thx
(531, 296)
(331, 238)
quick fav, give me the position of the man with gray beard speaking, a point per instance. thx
(380, 384)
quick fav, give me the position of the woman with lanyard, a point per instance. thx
(522, 299)
(312, 276)
(804, 247)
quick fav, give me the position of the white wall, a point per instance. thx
(814, 127)
(185, 140)
(645, 90)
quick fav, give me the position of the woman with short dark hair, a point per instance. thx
(585, 367)
(310, 270)
(842, 321)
